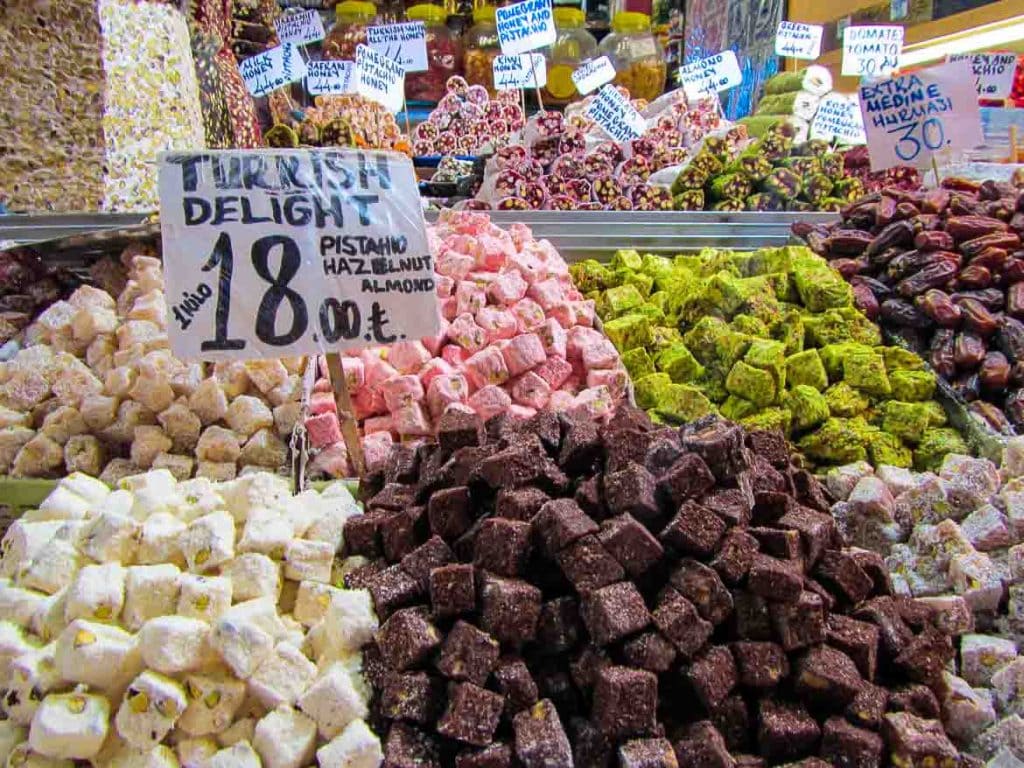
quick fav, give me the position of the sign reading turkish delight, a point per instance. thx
(331, 76)
(591, 75)
(872, 50)
(798, 41)
(405, 43)
(527, 70)
(300, 28)
(711, 75)
(379, 78)
(270, 70)
(613, 112)
(525, 26)
(839, 117)
(915, 118)
(993, 72)
(283, 252)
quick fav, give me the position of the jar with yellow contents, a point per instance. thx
(352, 17)
(481, 46)
(573, 45)
(638, 59)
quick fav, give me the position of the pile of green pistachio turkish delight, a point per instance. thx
(768, 338)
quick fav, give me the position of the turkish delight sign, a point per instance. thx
(914, 118)
(331, 76)
(613, 112)
(838, 117)
(872, 50)
(798, 41)
(591, 75)
(379, 78)
(300, 28)
(268, 71)
(287, 252)
(711, 75)
(993, 72)
(405, 43)
(525, 26)
(527, 70)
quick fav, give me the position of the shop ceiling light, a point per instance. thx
(982, 38)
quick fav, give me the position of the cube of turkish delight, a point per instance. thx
(333, 701)
(100, 655)
(174, 644)
(286, 738)
(213, 702)
(208, 401)
(70, 725)
(247, 415)
(150, 708)
(97, 593)
(203, 597)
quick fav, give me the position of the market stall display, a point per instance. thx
(857, 164)
(444, 55)
(351, 19)
(771, 339)
(467, 121)
(480, 48)
(794, 96)
(573, 46)
(638, 58)
(942, 269)
(653, 595)
(168, 623)
(348, 120)
(27, 287)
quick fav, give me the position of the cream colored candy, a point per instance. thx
(255, 493)
(51, 569)
(70, 725)
(218, 444)
(267, 531)
(247, 415)
(240, 755)
(22, 541)
(253, 575)
(212, 704)
(242, 640)
(308, 560)
(350, 622)
(282, 677)
(204, 597)
(199, 497)
(285, 738)
(312, 601)
(111, 537)
(208, 402)
(161, 540)
(209, 541)
(333, 701)
(193, 753)
(355, 747)
(99, 655)
(31, 676)
(20, 605)
(97, 593)
(150, 708)
(174, 644)
(22, 756)
(150, 591)
(240, 730)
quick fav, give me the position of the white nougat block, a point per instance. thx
(240, 755)
(285, 738)
(63, 504)
(204, 597)
(31, 676)
(22, 541)
(11, 735)
(174, 644)
(150, 708)
(154, 491)
(209, 541)
(333, 701)
(200, 496)
(161, 540)
(303, 510)
(267, 531)
(312, 601)
(355, 747)
(282, 677)
(193, 753)
(330, 523)
(242, 640)
(350, 622)
(308, 560)
(96, 593)
(20, 605)
(99, 655)
(23, 756)
(111, 537)
(70, 725)
(241, 730)
(49, 621)
(150, 591)
(212, 704)
(256, 491)
(89, 488)
(253, 575)
(52, 568)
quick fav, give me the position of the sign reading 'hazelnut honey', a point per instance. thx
(527, 70)
(286, 252)
(993, 72)
(613, 112)
(268, 71)
(525, 26)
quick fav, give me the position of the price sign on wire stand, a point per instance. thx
(527, 70)
(405, 43)
(525, 26)
(993, 72)
(331, 76)
(379, 78)
(613, 112)
(916, 118)
(268, 71)
(591, 75)
(711, 75)
(838, 117)
(300, 28)
(872, 51)
(798, 41)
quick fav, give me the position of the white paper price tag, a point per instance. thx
(405, 43)
(300, 28)
(914, 118)
(525, 26)
(379, 78)
(293, 252)
(268, 71)
(613, 112)
(527, 70)
(592, 74)
(798, 41)
(711, 75)
(331, 76)
(993, 72)
(872, 51)
(838, 117)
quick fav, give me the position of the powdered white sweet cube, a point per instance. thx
(208, 401)
(308, 560)
(20, 605)
(335, 509)
(285, 738)
(240, 755)
(245, 635)
(48, 623)
(150, 591)
(193, 753)
(355, 747)
(302, 510)
(253, 575)
(212, 704)
(350, 622)
(209, 541)
(312, 601)
(153, 491)
(96, 593)
(199, 497)
(161, 540)
(11, 735)
(333, 701)
(99, 655)
(204, 597)
(52, 569)
(124, 756)
(13, 643)
(32, 675)
(111, 537)
(88, 488)
(174, 644)
(70, 725)
(267, 531)
(150, 708)
(21, 542)
(258, 491)
(282, 677)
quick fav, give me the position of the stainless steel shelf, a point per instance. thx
(33, 228)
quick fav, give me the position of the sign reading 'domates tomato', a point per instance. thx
(379, 78)
(331, 76)
(300, 28)
(711, 75)
(527, 70)
(993, 72)
(838, 117)
(914, 118)
(613, 112)
(872, 51)
(405, 43)
(592, 74)
(798, 41)
(268, 71)
(286, 252)
(525, 26)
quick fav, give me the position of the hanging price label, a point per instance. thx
(798, 41)
(379, 78)
(405, 43)
(613, 112)
(993, 72)
(592, 74)
(914, 118)
(293, 252)
(300, 28)
(872, 51)
(527, 70)
(525, 26)
(838, 117)
(270, 70)
(711, 75)
(331, 76)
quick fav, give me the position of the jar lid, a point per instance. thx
(486, 13)
(569, 17)
(433, 14)
(631, 21)
(357, 9)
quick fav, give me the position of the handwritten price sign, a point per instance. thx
(404, 43)
(914, 118)
(993, 72)
(525, 26)
(331, 76)
(591, 75)
(300, 28)
(293, 252)
(872, 51)
(798, 41)
(379, 78)
(613, 112)
(272, 69)
(711, 75)
(527, 70)
(838, 117)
